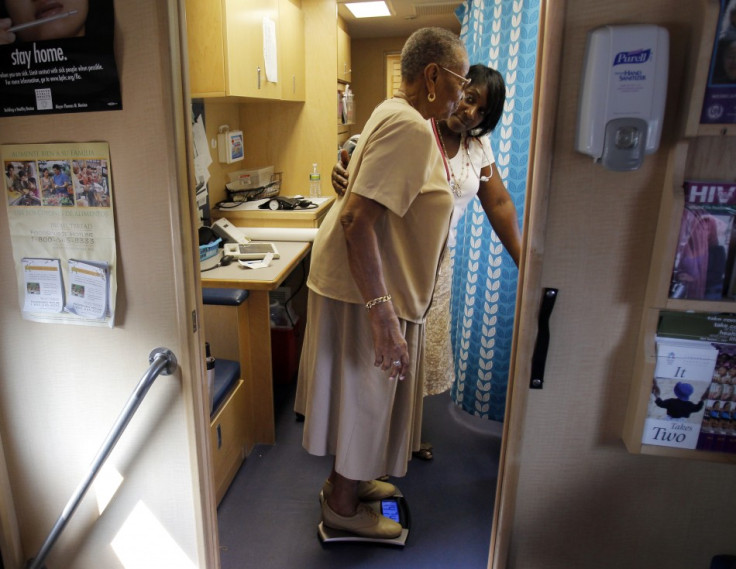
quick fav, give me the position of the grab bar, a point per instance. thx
(163, 362)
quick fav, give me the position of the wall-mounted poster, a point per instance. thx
(57, 57)
(719, 103)
(59, 201)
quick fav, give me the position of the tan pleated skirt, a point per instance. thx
(352, 410)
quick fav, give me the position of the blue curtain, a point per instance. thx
(501, 34)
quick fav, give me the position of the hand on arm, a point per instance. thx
(340, 173)
(358, 220)
(501, 212)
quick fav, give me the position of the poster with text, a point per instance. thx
(719, 101)
(59, 201)
(57, 57)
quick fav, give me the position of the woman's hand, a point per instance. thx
(392, 354)
(340, 174)
(6, 37)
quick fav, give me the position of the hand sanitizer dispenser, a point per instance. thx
(622, 96)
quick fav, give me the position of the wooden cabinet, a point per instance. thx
(291, 50)
(227, 55)
(344, 65)
(703, 152)
(227, 435)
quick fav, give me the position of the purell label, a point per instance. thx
(632, 57)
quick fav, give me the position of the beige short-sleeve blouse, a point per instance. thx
(397, 163)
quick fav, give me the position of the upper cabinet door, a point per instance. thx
(245, 51)
(291, 50)
(205, 46)
(227, 54)
(344, 67)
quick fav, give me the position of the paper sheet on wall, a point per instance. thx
(270, 54)
(202, 156)
(59, 202)
(88, 289)
(44, 291)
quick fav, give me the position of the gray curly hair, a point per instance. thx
(429, 45)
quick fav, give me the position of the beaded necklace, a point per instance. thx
(454, 184)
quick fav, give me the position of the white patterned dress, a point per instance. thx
(439, 364)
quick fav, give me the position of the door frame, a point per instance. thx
(549, 51)
(529, 288)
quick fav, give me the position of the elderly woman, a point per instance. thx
(472, 172)
(374, 264)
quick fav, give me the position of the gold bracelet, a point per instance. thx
(371, 303)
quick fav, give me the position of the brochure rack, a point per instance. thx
(703, 151)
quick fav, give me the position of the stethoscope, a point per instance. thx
(464, 143)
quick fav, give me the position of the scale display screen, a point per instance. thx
(390, 509)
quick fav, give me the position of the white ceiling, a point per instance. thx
(407, 16)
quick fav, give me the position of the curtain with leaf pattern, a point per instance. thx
(501, 34)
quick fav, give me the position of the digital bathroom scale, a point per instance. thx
(394, 508)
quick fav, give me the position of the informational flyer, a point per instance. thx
(57, 57)
(88, 289)
(59, 200)
(44, 290)
(719, 102)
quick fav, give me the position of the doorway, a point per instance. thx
(529, 277)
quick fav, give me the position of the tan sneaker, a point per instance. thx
(365, 523)
(368, 491)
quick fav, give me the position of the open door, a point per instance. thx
(552, 14)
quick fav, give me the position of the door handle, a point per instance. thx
(539, 357)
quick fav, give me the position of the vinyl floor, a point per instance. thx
(269, 517)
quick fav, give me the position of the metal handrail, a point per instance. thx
(163, 362)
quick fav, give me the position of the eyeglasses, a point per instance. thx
(464, 81)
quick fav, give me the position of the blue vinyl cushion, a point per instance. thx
(224, 296)
(227, 373)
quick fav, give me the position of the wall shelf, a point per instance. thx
(696, 155)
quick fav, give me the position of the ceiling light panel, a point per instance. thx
(368, 9)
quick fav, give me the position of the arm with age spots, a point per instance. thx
(358, 221)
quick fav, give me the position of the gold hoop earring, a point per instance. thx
(431, 97)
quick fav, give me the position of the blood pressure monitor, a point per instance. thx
(282, 202)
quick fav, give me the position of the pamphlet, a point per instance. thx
(44, 291)
(704, 258)
(693, 401)
(719, 100)
(681, 378)
(88, 288)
